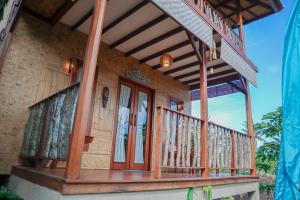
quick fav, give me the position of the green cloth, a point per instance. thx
(2, 5)
(208, 192)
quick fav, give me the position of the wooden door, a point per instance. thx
(133, 127)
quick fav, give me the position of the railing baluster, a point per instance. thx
(199, 143)
(233, 158)
(188, 156)
(167, 135)
(183, 148)
(179, 141)
(158, 144)
(195, 143)
(173, 136)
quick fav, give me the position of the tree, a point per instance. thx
(269, 131)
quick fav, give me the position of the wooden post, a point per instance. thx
(157, 149)
(204, 112)
(241, 31)
(250, 129)
(80, 125)
(233, 169)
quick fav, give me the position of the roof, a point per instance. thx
(251, 10)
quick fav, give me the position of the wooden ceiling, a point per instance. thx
(139, 29)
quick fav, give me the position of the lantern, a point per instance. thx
(166, 60)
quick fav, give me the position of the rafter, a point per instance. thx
(62, 11)
(82, 20)
(154, 41)
(139, 30)
(164, 51)
(125, 15)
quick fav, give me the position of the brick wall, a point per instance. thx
(37, 48)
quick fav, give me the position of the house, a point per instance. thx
(96, 98)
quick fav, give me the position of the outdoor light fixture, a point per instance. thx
(211, 70)
(166, 60)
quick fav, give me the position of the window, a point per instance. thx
(176, 104)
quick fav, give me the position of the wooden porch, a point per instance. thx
(186, 151)
(111, 181)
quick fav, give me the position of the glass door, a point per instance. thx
(132, 134)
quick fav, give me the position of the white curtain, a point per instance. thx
(123, 123)
(141, 128)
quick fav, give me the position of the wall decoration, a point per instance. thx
(137, 76)
(105, 96)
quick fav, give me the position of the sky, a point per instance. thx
(264, 40)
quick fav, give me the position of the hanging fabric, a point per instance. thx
(288, 172)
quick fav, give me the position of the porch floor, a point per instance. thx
(104, 181)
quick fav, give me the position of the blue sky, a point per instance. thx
(264, 47)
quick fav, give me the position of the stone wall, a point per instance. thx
(35, 67)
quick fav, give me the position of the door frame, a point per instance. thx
(147, 163)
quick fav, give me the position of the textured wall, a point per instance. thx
(35, 68)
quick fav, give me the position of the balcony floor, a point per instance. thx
(107, 181)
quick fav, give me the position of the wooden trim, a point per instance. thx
(126, 184)
(250, 127)
(85, 93)
(204, 112)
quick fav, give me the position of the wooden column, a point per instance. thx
(250, 129)
(204, 112)
(158, 146)
(241, 31)
(80, 125)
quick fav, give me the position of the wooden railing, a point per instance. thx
(178, 145)
(49, 126)
(228, 149)
(178, 140)
(204, 9)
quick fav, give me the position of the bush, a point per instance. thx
(5, 194)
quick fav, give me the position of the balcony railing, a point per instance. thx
(49, 126)
(204, 9)
(179, 147)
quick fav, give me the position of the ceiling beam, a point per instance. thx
(208, 70)
(82, 20)
(139, 30)
(216, 81)
(62, 11)
(177, 59)
(186, 66)
(124, 16)
(214, 75)
(164, 51)
(154, 41)
(194, 45)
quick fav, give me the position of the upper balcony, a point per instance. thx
(147, 30)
